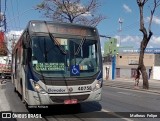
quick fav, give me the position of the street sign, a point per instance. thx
(75, 71)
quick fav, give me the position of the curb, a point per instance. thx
(129, 87)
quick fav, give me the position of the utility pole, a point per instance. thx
(120, 21)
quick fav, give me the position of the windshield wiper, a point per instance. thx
(57, 43)
(79, 47)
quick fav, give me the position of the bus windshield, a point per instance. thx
(64, 57)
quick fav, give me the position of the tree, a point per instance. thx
(147, 34)
(71, 11)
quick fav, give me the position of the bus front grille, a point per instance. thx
(68, 82)
(60, 99)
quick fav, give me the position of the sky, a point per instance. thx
(19, 12)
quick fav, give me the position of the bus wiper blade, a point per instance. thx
(57, 43)
(79, 47)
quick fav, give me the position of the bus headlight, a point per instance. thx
(37, 87)
(98, 85)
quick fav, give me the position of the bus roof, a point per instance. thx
(37, 26)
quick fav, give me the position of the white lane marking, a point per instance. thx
(117, 115)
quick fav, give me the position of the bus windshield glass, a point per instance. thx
(67, 57)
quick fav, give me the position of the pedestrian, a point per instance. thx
(150, 71)
(137, 77)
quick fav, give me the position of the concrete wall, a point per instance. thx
(132, 59)
(156, 72)
(127, 62)
(157, 60)
(125, 73)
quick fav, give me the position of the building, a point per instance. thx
(127, 63)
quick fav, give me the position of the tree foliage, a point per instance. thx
(147, 34)
(72, 11)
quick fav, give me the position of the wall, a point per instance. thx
(132, 59)
(125, 73)
(128, 61)
(157, 60)
(156, 72)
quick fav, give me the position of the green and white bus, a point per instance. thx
(57, 63)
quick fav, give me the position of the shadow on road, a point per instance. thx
(67, 109)
(15, 104)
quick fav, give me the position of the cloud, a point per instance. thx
(79, 8)
(128, 41)
(86, 14)
(135, 41)
(155, 40)
(150, 46)
(128, 38)
(155, 20)
(127, 8)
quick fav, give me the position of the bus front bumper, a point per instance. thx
(53, 99)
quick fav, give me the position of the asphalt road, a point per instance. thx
(115, 102)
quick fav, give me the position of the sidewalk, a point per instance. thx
(154, 85)
(4, 104)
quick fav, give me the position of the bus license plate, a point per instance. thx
(71, 101)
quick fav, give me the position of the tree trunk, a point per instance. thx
(144, 77)
(142, 67)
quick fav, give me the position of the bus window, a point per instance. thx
(86, 58)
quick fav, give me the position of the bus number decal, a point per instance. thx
(83, 88)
